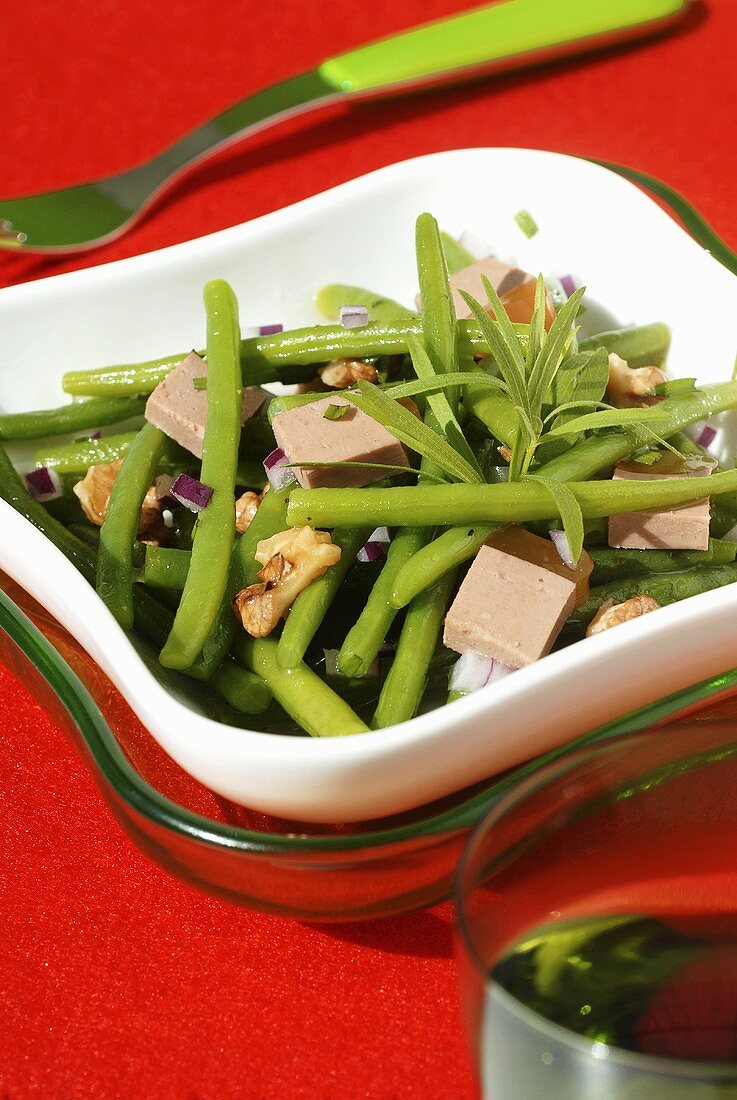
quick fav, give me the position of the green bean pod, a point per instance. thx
(640, 345)
(209, 567)
(506, 502)
(405, 684)
(364, 640)
(448, 551)
(299, 691)
(243, 690)
(613, 564)
(165, 567)
(119, 529)
(76, 417)
(666, 588)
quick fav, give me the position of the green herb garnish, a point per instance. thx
(527, 223)
(200, 383)
(672, 387)
(335, 411)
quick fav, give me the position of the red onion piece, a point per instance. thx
(353, 316)
(96, 435)
(477, 246)
(470, 672)
(561, 545)
(498, 672)
(277, 470)
(190, 492)
(374, 545)
(44, 484)
(370, 551)
(569, 284)
(270, 330)
(706, 436)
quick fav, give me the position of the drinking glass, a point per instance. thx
(597, 924)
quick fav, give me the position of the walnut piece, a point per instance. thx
(612, 614)
(290, 561)
(341, 373)
(246, 507)
(94, 491)
(627, 386)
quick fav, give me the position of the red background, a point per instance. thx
(115, 980)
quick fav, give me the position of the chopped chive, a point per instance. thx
(527, 223)
(200, 383)
(335, 411)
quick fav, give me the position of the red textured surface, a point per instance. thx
(116, 980)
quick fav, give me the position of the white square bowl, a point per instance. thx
(632, 257)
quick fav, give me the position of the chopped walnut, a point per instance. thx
(411, 406)
(94, 491)
(246, 507)
(290, 561)
(628, 386)
(341, 373)
(611, 614)
(505, 452)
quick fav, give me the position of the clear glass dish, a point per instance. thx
(313, 872)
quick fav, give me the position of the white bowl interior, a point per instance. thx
(633, 258)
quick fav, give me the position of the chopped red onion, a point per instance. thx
(277, 470)
(498, 672)
(374, 545)
(470, 672)
(706, 436)
(561, 545)
(353, 316)
(569, 284)
(190, 492)
(44, 484)
(477, 246)
(331, 664)
(270, 330)
(96, 435)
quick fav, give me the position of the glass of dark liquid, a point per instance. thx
(597, 916)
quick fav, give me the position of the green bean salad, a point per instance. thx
(432, 499)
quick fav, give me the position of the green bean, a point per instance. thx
(433, 561)
(613, 564)
(727, 501)
(364, 640)
(666, 588)
(506, 502)
(165, 567)
(75, 417)
(405, 684)
(640, 345)
(300, 691)
(286, 401)
(287, 357)
(331, 297)
(118, 531)
(312, 604)
(244, 691)
(290, 356)
(209, 567)
(456, 256)
(605, 449)
(720, 522)
(495, 411)
(75, 458)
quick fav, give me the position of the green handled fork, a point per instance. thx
(497, 37)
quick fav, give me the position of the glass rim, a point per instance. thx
(613, 1055)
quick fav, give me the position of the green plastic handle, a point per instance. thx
(501, 35)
